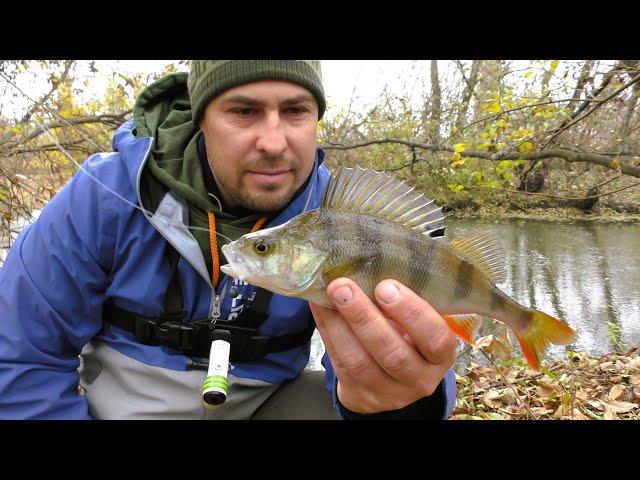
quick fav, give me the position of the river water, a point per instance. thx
(583, 272)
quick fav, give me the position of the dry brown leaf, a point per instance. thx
(591, 414)
(634, 380)
(483, 342)
(609, 414)
(582, 395)
(546, 391)
(539, 411)
(618, 407)
(492, 399)
(578, 415)
(558, 414)
(596, 404)
(507, 398)
(616, 392)
(606, 366)
(501, 345)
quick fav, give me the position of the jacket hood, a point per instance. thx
(163, 112)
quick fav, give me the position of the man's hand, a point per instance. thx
(387, 356)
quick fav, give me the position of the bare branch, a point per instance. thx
(568, 155)
(576, 120)
(108, 119)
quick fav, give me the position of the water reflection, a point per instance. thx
(585, 273)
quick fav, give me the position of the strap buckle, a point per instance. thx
(245, 345)
(170, 333)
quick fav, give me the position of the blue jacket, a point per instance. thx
(90, 245)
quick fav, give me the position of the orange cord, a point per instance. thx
(259, 224)
(213, 242)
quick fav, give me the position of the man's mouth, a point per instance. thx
(269, 176)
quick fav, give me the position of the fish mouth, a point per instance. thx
(237, 267)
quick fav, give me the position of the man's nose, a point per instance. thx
(272, 140)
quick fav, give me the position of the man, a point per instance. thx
(123, 269)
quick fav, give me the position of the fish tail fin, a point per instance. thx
(464, 326)
(543, 329)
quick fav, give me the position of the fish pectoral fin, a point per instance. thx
(306, 266)
(345, 269)
(464, 326)
(484, 250)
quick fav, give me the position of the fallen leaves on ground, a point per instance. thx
(579, 388)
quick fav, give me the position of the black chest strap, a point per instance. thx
(194, 339)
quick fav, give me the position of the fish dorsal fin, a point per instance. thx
(370, 192)
(485, 251)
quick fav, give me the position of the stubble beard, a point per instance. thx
(262, 202)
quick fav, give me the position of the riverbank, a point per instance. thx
(566, 214)
(576, 388)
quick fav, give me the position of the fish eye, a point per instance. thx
(261, 246)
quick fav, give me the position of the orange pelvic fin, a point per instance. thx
(465, 326)
(544, 329)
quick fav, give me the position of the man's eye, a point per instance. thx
(296, 110)
(245, 112)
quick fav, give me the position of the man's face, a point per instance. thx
(261, 142)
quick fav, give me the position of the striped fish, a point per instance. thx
(372, 227)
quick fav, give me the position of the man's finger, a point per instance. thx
(385, 344)
(427, 328)
(347, 355)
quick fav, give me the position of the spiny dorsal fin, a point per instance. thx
(485, 251)
(370, 192)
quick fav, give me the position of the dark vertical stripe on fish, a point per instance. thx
(329, 236)
(369, 248)
(418, 270)
(426, 261)
(498, 302)
(464, 280)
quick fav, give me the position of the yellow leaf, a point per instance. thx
(493, 107)
(459, 147)
(456, 157)
(528, 74)
(554, 65)
(525, 147)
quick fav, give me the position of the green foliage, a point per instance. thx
(613, 333)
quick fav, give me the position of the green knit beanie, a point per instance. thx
(209, 78)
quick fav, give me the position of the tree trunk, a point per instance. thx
(436, 107)
(582, 81)
(628, 114)
(470, 86)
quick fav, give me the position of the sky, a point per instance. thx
(363, 80)
(344, 80)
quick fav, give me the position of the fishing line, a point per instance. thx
(46, 131)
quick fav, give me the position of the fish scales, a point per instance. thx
(416, 260)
